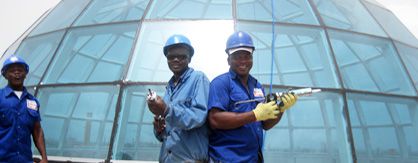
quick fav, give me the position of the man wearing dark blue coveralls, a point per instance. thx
(180, 117)
(237, 126)
(19, 113)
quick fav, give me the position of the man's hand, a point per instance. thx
(288, 100)
(159, 124)
(265, 111)
(157, 106)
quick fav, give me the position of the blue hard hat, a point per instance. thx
(178, 40)
(239, 39)
(13, 60)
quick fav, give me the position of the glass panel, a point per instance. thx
(93, 54)
(78, 120)
(391, 24)
(190, 9)
(384, 128)
(37, 52)
(409, 56)
(105, 11)
(290, 11)
(135, 138)
(301, 56)
(62, 16)
(349, 15)
(150, 64)
(313, 131)
(370, 64)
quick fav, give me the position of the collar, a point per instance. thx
(183, 76)
(9, 91)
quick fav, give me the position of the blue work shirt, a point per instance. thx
(243, 143)
(185, 138)
(18, 117)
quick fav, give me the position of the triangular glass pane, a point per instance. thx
(409, 56)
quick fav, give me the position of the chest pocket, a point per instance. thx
(5, 117)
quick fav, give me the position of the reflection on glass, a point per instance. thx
(135, 138)
(349, 15)
(62, 16)
(409, 56)
(313, 130)
(105, 11)
(301, 56)
(190, 9)
(150, 64)
(290, 11)
(93, 54)
(384, 128)
(37, 52)
(77, 121)
(392, 25)
(370, 64)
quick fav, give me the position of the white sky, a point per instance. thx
(17, 15)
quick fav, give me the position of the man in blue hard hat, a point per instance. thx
(20, 118)
(180, 116)
(236, 119)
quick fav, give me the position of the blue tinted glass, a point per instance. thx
(105, 11)
(150, 64)
(291, 11)
(393, 27)
(93, 54)
(301, 56)
(370, 64)
(190, 9)
(135, 139)
(349, 15)
(37, 52)
(409, 56)
(76, 120)
(313, 130)
(62, 16)
(384, 128)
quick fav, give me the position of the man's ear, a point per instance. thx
(228, 60)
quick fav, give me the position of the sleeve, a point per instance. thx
(218, 95)
(192, 112)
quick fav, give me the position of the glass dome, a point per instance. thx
(92, 62)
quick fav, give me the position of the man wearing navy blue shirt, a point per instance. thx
(19, 113)
(180, 117)
(237, 114)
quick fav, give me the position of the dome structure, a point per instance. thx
(93, 61)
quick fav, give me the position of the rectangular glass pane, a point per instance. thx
(301, 56)
(384, 128)
(314, 130)
(135, 138)
(62, 16)
(105, 11)
(150, 64)
(190, 9)
(370, 64)
(77, 121)
(290, 11)
(350, 15)
(93, 54)
(409, 56)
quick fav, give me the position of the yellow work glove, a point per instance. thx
(265, 111)
(288, 100)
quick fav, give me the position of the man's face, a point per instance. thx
(16, 75)
(241, 62)
(178, 59)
